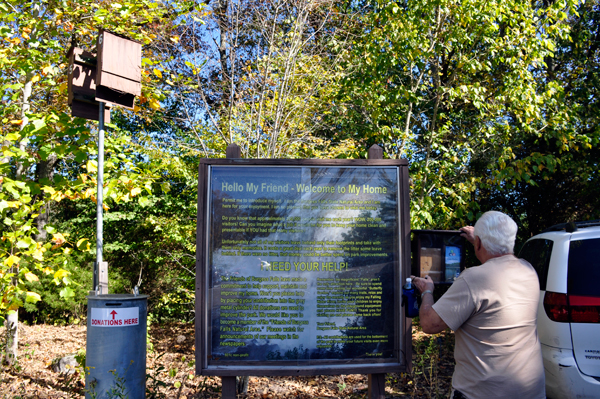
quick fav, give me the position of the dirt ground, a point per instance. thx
(170, 366)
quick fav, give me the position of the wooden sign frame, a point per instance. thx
(205, 361)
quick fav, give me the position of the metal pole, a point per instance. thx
(99, 196)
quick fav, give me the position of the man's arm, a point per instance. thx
(430, 321)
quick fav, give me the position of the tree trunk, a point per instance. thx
(241, 384)
(12, 320)
(45, 171)
(12, 336)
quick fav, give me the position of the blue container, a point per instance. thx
(116, 346)
(409, 300)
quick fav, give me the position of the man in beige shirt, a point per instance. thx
(492, 309)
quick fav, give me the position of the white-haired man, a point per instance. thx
(492, 309)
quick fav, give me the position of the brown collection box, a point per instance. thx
(438, 254)
(119, 72)
(82, 85)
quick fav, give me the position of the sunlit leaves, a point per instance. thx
(32, 297)
(83, 243)
(455, 84)
(67, 293)
(39, 132)
(11, 260)
(61, 275)
(31, 277)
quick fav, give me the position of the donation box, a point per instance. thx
(116, 346)
(438, 254)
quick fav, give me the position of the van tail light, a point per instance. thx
(565, 308)
(556, 306)
(584, 309)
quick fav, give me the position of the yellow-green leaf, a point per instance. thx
(92, 166)
(38, 254)
(32, 297)
(60, 273)
(11, 260)
(31, 277)
(49, 190)
(22, 244)
(58, 239)
(154, 104)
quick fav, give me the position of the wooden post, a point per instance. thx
(228, 387)
(376, 386)
(375, 152)
(229, 384)
(233, 151)
(376, 381)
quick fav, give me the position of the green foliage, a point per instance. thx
(131, 231)
(154, 382)
(48, 156)
(21, 257)
(342, 384)
(118, 390)
(494, 103)
(458, 88)
(267, 85)
(61, 304)
(559, 180)
(427, 354)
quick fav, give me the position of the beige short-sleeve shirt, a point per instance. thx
(492, 309)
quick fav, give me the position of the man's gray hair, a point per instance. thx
(497, 233)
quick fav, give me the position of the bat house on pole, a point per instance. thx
(119, 70)
(82, 85)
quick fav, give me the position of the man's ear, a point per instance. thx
(477, 243)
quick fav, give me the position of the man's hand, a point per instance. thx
(423, 284)
(467, 232)
(431, 322)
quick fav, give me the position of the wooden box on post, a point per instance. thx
(119, 72)
(82, 85)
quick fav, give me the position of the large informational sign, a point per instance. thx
(299, 267)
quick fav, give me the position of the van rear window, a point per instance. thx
(583, 277)
(537, 252)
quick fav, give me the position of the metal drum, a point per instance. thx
(116, 346)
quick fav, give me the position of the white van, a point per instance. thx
(567, 260)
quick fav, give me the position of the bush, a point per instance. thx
(62, 304)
